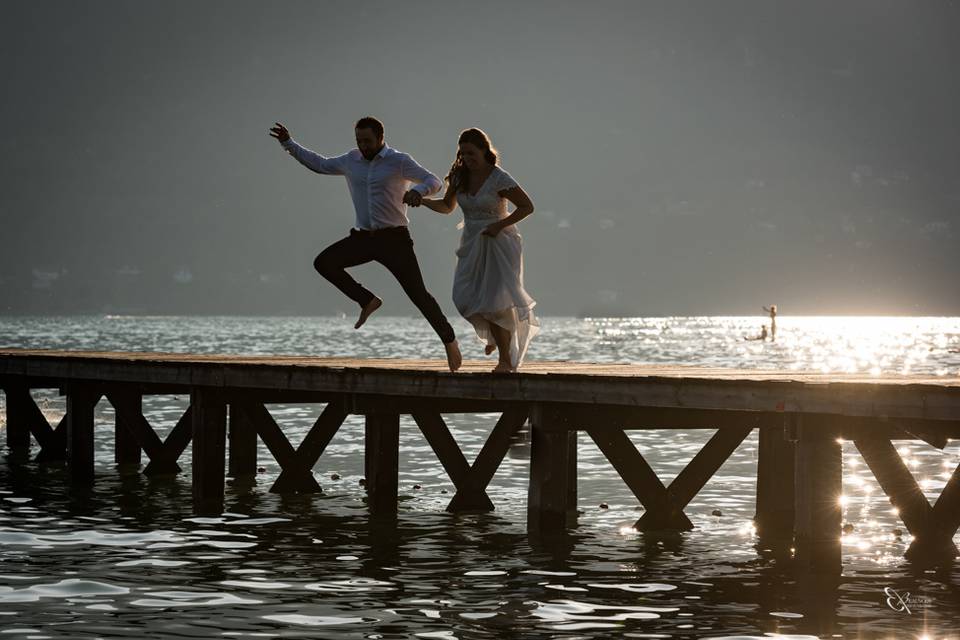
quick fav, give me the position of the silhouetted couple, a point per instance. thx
(488, 281)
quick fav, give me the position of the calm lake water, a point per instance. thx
(128, 559)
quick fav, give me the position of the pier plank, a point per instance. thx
(918, 397)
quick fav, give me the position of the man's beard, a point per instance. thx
(373, 154)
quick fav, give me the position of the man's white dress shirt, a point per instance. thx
(376, 186)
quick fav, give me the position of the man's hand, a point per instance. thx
(412, 198)
(280, 132)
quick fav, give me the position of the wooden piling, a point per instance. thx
(775, 486)
(126, 449)
(818, 485)
(209, 413)
(243, 444)
(18, 419)
(551, 495)
(81, 404)
(381, 461)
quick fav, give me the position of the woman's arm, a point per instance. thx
(524, 207)
(442, 205)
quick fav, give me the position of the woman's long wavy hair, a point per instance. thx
(459, 177)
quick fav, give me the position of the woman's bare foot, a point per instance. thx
(503, 367)
(367, 311)
(490, 348)
(454, 359)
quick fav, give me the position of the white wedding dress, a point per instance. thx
(488, 282)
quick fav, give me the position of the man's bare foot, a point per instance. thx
(454, 359)
(490, 348)
(503, 367)
(367, 311)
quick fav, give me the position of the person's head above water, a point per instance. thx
(369, 132)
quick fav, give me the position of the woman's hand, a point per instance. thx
(493, 229)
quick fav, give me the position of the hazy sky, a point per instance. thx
(684, 157)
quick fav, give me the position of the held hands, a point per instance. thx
(412, 198)
(279, 132)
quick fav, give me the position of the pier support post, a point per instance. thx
(775, 488)
(381, 461)
(126, 449)
(18, 417)
(552, 493)
(243, 444)
(819, 485)
(81, 403)
(209, 418)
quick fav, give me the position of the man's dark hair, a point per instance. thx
(369, 122)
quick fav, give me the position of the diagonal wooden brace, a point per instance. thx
(26, 418)
(664, 505)
(470, 480)
(312, 446)
(299, 478)
(642, 481)
(163, 454)
(931, 528)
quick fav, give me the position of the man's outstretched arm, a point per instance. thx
(427, 184)
(335, 166)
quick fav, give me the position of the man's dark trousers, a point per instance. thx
(393, 248)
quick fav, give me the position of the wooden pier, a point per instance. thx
(801, 418)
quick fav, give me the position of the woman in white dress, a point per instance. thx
(488, 283)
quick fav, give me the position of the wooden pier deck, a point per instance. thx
(800, 417)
